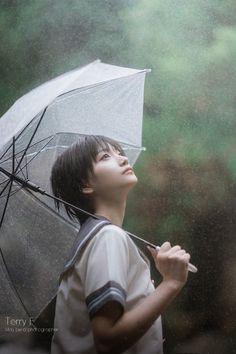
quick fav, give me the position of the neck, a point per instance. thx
(113, 212)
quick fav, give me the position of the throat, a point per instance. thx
(115, 214)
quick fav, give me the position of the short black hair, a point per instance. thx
(71, 172)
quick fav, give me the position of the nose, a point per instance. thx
(123, 160)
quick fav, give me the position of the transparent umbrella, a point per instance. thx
(35, 240)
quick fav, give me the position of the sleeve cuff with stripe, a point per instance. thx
(111, 291)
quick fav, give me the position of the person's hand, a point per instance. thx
(172, 263)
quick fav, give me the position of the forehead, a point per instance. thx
(107, 147)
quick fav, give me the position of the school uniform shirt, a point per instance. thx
(111, 268)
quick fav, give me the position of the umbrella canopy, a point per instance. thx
(35, 240)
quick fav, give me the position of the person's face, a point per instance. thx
(111, 173)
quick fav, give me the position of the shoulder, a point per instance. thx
(111, 234)
(112, 230)
(105, 250)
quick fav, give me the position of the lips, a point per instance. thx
(128, 169)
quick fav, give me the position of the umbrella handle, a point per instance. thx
(191, 267)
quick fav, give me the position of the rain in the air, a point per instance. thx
(117, 177)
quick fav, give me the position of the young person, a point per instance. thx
(107, 303)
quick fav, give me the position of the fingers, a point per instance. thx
(172, 263)
(153, 251)
(170, 252)
(178, 253)
(166, 246)
(186, 257)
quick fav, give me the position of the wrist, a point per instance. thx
(173, 285)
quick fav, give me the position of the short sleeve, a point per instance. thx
(105, 269)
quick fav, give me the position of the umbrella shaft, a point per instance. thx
(32, 186)
(24, 183)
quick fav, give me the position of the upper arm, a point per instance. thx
(105, 270)
(103, 321)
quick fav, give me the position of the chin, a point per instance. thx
(133, 181)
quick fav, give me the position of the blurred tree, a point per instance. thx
(190, 99)
(40, 39)
(188, 174)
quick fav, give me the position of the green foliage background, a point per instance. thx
(187, 176)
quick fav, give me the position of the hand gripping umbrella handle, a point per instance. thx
(191, 267)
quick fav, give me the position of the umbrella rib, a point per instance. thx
(12, 284)
(53, 136)
(31, 139)
(100, 83)
(11, 176)
(3, 214)
(13, 154)
(12, 193)
(3, 190)
(17, 138)
(13, 164)
(10, 182)
(13, 159)
(43, 113)
(27, 163)
(18, 153)
(21, 170)
(46, 205)
(29, 186)
(37, 153)
(6, 203)
(3, 183)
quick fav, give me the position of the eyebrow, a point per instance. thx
(107, 149)
(104, 149)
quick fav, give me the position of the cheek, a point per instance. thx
(107, 178)
(103, 175)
